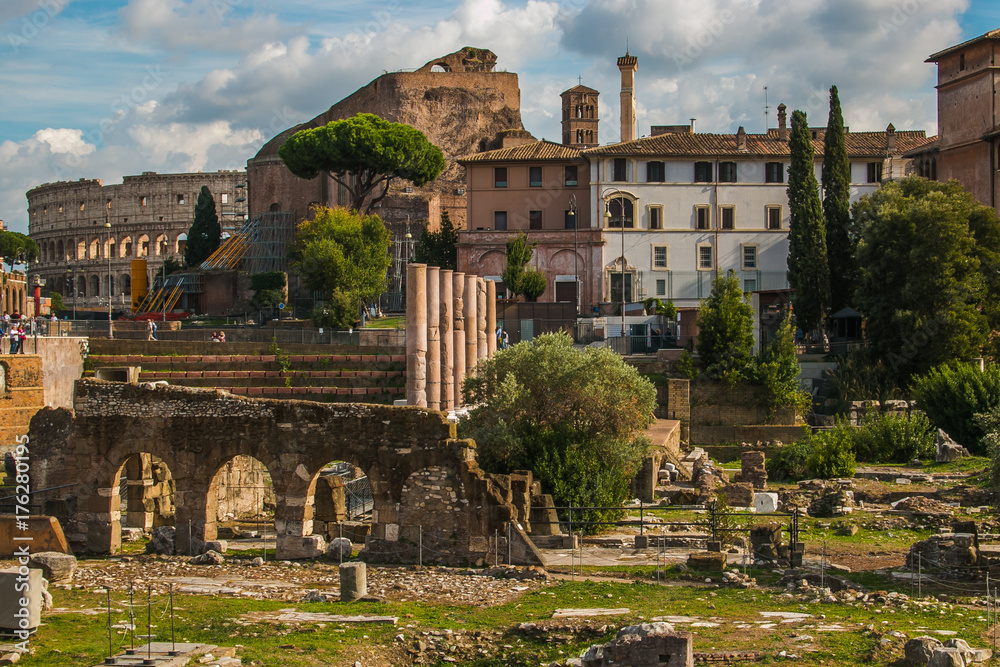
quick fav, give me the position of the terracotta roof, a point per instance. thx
(930, 146)
(539, 150)
(992, 34)
(859, 144)
(580, 89)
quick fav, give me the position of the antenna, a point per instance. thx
(765, 109)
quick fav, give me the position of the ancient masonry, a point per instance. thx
(21, 395)
(426, 484)
(450, 324)
(150, 216)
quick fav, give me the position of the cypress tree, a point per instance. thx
(808, 271)
(837, 208)
(205, 234)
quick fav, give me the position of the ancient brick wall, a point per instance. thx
(404, 451)
(21, 396)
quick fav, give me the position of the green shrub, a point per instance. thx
(790, 461)
(685, 365)
(832, 455)
(894, 438)
(951, 396)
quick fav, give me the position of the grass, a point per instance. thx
(395, 322)
(82, 639)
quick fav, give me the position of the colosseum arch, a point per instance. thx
(81, 249)
(94, 249)
(125, 247)
(162, 244)
(142, 246)
(125, 282)
(109, 247)
(60, 251)
(180, 244)
(95, 285)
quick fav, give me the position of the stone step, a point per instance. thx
(332, 359)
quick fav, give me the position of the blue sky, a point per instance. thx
(103, 89)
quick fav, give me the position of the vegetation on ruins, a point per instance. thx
(952, 395)
(375, 152)
(822, 455)
(840, 239)
(205, 233)
(725, 331)
(574, 418)
(808, 270)
(439, 248)
(529, 283)
(344, 256)
(929, 259)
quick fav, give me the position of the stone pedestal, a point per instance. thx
(458, 333)
(416, 335)
(433, 339)
(353, 581)
(445, 333)
(11, 595)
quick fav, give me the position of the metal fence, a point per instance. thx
(358, 498)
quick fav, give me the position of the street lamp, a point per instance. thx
(111, 327)
(72, 287)
(607, 217)
(576, 256)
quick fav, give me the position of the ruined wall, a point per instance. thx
(21, 396)
(197, 432)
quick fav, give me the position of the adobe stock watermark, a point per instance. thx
(377, 24)
(901, 14)
(22, 540)
(34, 23)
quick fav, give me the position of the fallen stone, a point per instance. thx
(902, 480)
(645, 644)
(946, 656)
(217, 545)
(209, 558)
(353, 581)
(132, 534)
(340, 549)
(707, 561)
(161, 541)
(9, 658)
(257, 562)
(918, 650)
(586, 613)
(765, 503)
(846, 529)
(56, 567)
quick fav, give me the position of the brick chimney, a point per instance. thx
(628, 64)
(741, 140)
(782, 123)
(890, 139)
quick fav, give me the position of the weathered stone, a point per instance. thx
(209, 558)
(918, 650)
(947, 449)
(353, 581)
(846, 529)
(765, 503)
(219, 546)
(161, 541)
(753, 470)
(257, 562)
(708, 561)
(765, 542)
(55, 567)
(946, 657)
(10, 658)
(738, 495)
(645, 645)
(340, 549)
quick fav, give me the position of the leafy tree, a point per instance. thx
(840, 241)
(725, 331)
(18, 247)
(371, 149)
(205, 234)
(439, 248)
(519, 252)
(951, 395)
(922, 289)
(56, 302)
(808, 271)
(344, 256)
(268, 288)
(532, 284)
(575, 418)
(777, 371)
(171, 265)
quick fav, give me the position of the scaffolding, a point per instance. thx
(260, 245)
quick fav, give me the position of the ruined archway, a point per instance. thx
(146, 492)
(241, 500)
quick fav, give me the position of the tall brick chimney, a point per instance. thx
(782, 123)
(890, 139)
(628, 65)
(741, 140)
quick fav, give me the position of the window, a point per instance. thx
(773, 216)
(656, 217)
(617, 294)
(727, 215)
(702, 172)
(534, 219)
(961, 62)
(142, 201)
(500, 220)
(83, 205)
(618, 169)
(749, 258)
(702, 217)
(774, 172)
(535, 177)
(180, 199)
(570, 175)
(727, 172)
(569, 219)
(750, 285)
(874, 172)
(655, 172)
(225, 197)
(661, 287)
(704, 257)
(620, 212)
(659, 257)
(500, 177)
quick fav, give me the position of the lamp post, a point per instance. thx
(576, 255)
(111, 326)
(607, 216)
(163, 278)
(72, 288)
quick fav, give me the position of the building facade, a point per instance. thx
(149, 217)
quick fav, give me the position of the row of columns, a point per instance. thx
(450, 320)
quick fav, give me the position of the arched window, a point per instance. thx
(619, 212)
(125, 281)
(161, 245)
(125, 248)
(94, 249)
(95, 286)
(274, 208)
(142, 247)
(61, 251)
(109, 247)
(182, 240)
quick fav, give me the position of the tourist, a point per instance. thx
(215, 337)
(149, 330)
(505, 341)
(153, 332)
(222, 336)
(21, 337)
(15, 339)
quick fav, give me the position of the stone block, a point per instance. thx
(162, 541)
(944, 656)
(56, 567)
(641, 541)
(643, 645)
(10, 599)
(353, 581)
(340, 549)
(707, 561)
(765, 503)
(739, 495)
(296, 547)
(209, 558)
(219, 546)
(918, 651)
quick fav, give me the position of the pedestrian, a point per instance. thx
(506, 341)
(215, 337)
(21, 336)
(149, 330)
(15, 339)
(222, 336)
(153, 332)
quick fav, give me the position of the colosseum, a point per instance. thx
(149, 215)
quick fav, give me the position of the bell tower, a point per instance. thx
(580, 117)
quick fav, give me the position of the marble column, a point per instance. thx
(471, 323)
(481, 332)
(491, 317)
(433, 338)
(458, 333)
(416, 335)
(445, 333)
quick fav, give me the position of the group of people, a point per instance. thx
(503, 342)
(151, 330)
(14, 329)
(218, 336)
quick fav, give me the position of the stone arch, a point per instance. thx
(81, 249)
(81, 285)
(94, 249)
(142, 246)
(162, 245)
(149, 492)
(60, 251)
(95, 285)
(125, 247)
(109, 247)
(274, 208)
(125, 281)
(440, 67)
(181, 243)
(240, 484)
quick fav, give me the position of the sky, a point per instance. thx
(108, 88)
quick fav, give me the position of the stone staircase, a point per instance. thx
(333, 378)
